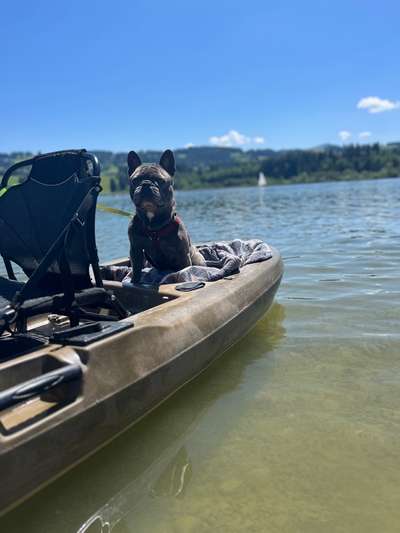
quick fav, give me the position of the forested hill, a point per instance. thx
(205, 166)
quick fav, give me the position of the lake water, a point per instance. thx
(296, 428)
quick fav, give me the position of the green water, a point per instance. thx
(295, 429)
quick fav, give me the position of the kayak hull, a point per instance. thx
(128, 374)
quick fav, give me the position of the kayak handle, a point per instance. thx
(39, 385)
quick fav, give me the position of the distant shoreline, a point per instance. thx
(271, 183)
(210, 167)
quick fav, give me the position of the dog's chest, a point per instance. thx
(165, 252)
(167, 249)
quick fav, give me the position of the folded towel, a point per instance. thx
(222, 259)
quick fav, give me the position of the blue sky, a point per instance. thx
(135, 74)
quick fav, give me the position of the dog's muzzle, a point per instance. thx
(147, 190)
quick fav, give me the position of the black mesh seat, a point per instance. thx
(47, 228)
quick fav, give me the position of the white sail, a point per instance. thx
(262, 180)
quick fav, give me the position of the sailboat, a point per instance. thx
(262, 180)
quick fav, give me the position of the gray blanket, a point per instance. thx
(222, 259)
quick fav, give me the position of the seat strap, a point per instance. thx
(65, 270)
(9, 268)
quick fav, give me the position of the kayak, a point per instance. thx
(170, 338)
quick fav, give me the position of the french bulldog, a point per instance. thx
(156, 233)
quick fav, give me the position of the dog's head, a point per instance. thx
(151, 186)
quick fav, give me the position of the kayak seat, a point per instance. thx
(39, 304)
(89, 298)
(47, 228)
(9, 288)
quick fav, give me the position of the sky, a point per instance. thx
(138, 75)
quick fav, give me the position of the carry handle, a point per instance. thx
(39, 385)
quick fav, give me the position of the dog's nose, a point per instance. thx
(147, 183)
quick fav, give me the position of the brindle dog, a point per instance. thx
(155, 232)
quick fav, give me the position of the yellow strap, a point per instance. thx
(112, 210)
(3, 191)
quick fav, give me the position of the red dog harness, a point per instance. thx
(155, 235)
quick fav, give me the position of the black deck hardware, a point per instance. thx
(190, 286)
(89, 333)
(63, 335)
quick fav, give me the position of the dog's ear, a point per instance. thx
(133, 162)
(167, 162)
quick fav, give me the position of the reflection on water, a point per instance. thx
(168, 476)
(296, 428)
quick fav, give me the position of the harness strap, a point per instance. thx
(155, 235)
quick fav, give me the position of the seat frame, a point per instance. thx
(70, 302)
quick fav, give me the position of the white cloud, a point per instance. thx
(365, 134)
(373, 104)
(189, 145)
(344, 135)
(234, 138)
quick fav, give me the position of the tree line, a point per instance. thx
(203, 167)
